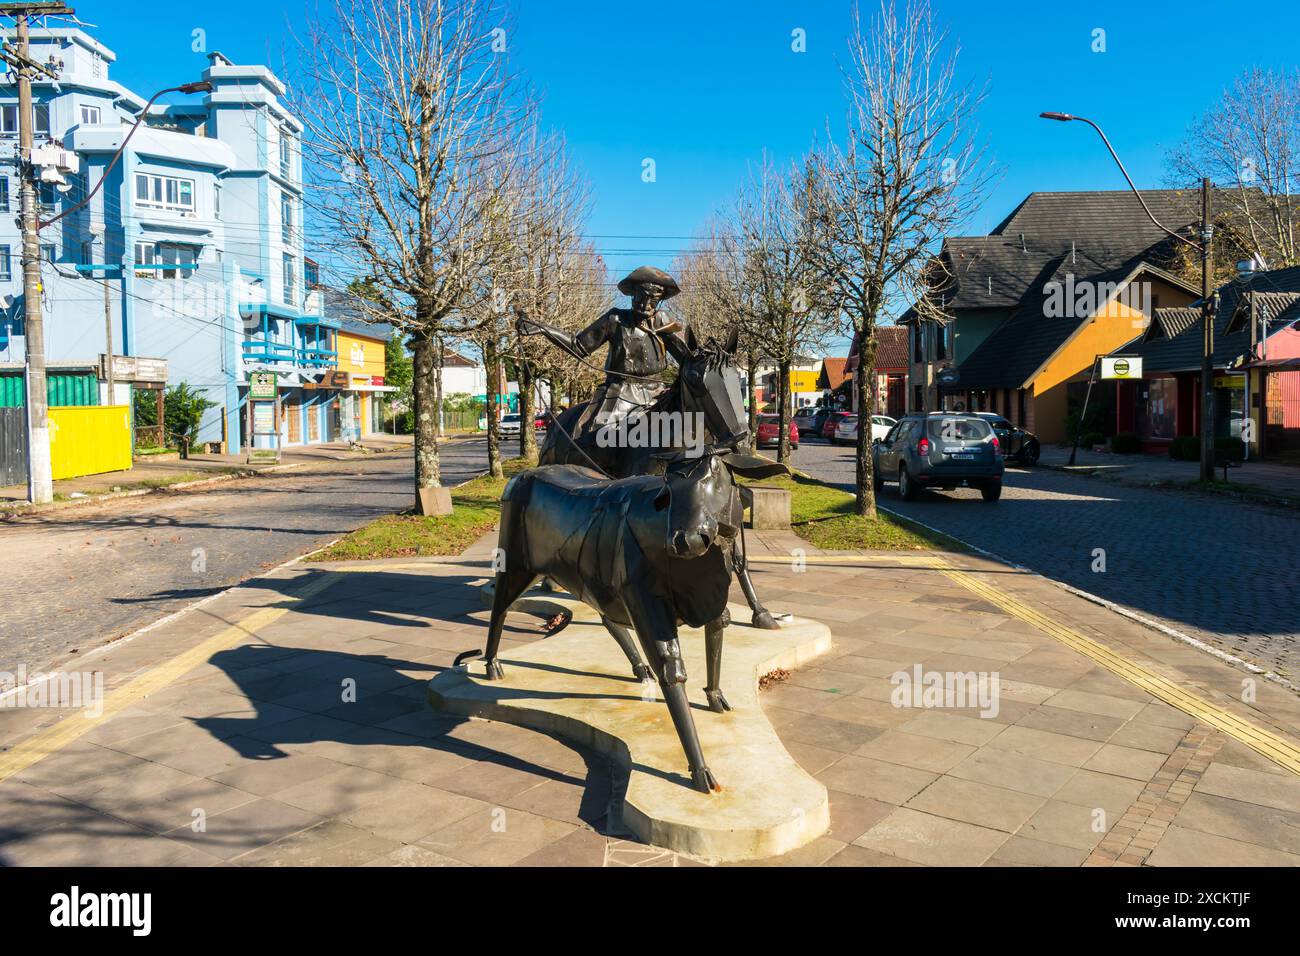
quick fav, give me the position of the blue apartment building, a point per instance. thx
(197, 235)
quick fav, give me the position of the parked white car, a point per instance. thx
(846, 432)
(508, 426)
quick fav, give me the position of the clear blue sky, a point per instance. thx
(703, 87)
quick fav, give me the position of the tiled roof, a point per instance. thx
(835, 372)
(1107, 228)
(891, 350)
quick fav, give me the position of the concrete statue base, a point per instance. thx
(578, 685)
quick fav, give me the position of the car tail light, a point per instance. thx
(923, 447)
(997, 448)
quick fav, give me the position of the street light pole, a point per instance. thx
(1207, 305)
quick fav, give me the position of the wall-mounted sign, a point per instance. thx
(335, 379)
(948, 376)
(262, 385)
(133, 368)
(376, 380)
(1121, 366)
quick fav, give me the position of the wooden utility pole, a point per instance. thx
(40, 482)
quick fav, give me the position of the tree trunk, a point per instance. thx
(783, 411)
(440, 349)
(527, 411)
(864, 375)
(428, 472)
(493, 364)
(751, 372)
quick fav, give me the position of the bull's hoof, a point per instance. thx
(763, 618)
(492, 670)
(704, 781)
(717, 702)
(642, 672)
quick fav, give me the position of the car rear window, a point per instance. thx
(767, 419)
(945, 428)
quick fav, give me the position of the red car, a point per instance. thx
(833, 419)
(769, 431)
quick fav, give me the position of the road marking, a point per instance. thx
(1265, 742)
(71, 728)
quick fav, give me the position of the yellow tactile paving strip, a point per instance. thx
(74, 726)
(1273, 746)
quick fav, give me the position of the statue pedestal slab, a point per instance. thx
(578, 685)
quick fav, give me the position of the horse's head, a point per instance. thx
(710, 384)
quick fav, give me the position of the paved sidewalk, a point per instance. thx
(1260, 477)
(148, 472)
(231, 734)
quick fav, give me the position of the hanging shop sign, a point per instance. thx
(262, 385)
(1121, 366)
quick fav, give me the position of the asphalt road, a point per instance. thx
(1221, 570)
(78, 578)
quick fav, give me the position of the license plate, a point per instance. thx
(963, 457)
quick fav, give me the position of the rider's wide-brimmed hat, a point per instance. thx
(649, 274)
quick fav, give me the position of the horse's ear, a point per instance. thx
(733, 341)
(692, 342)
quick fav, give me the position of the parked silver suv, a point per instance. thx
(939, 450)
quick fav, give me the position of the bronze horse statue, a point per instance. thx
(707, 389)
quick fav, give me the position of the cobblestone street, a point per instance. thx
(1219, 570)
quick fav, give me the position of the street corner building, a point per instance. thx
(1019, 317)
(188, 264)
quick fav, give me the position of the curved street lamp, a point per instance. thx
(1207, 311)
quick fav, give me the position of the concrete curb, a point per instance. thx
(1243, 493)
(21, 510)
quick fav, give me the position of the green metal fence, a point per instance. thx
(61, 389)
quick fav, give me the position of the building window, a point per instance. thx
(47, 253)
(90, 115)
(158, 255)
(9, 120)
(96, 65)
(286, 154)
(164, 192)
(42, 112)
(286, 219)
(216, 201)
(87, 253)
(310, 273)
(6, 265)
(290, 280)
(48, 198)
(4, 193)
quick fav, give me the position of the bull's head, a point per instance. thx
(701, 498)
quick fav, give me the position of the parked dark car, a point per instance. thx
(828, 426)
(1017, 444)
(769, 431)
(939, 450)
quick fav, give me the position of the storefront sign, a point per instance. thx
(262, 385)
(1121, 366)
(335, 380)
(1229, 381)
(948, 376)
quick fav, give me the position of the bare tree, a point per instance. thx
(549, 208)
(781, 303)
(1249, 145)
(716, 299)
(411, 116)
(909, 171)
